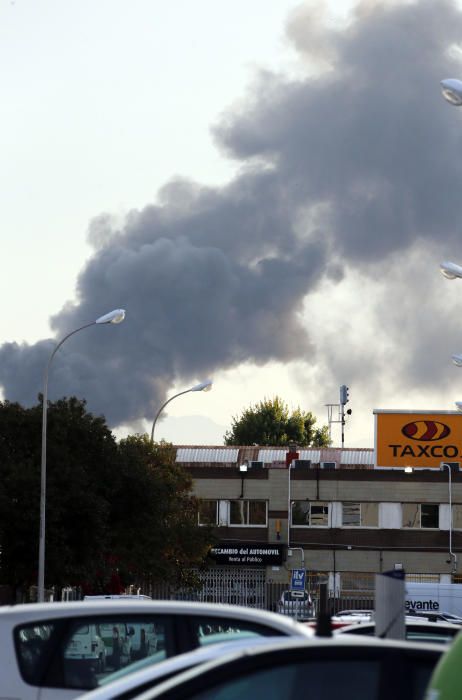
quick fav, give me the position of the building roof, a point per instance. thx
(362, 458)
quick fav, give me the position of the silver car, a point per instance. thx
(296, 604)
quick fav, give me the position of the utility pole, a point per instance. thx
(344, 398)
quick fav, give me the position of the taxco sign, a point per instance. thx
(417, 438)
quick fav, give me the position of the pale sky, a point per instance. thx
(103, 103)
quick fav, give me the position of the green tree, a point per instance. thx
(271, 423)
(80, 454)
(154, 527)
(116, 514)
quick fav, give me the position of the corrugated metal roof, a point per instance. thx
(365, 456)
(271, 455)
(204, 454)
(268, 455)
(274, 455)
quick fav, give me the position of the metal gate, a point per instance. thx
(226, 584)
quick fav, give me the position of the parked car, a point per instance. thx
(416, 630)
(348, 668)
(435, 617)
(297, 604)
(40, 658)
(87, 646)
(143, 675)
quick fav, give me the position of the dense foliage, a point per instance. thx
(271, 423)
(116, 513)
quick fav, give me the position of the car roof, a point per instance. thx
(34, 612)
(330, 644)
(416, 624)
(154, 671)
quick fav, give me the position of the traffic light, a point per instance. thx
(344, 394)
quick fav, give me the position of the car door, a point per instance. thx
(62, 658)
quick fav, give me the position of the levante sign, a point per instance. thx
(247, 554)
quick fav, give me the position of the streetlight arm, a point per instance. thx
(452, 554)
(162, 408)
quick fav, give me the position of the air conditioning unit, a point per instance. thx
(302, 463)
(329, 466)
(256, 465)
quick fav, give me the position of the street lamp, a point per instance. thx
(453, 556)
(243, 471)
(116, 316)
(450, 270)
(289, 518)
(452, 91)
(206, 385)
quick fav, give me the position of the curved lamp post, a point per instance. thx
(452, 271)
(206, 385)
(289, 520)
(452, 554)
(116, 316)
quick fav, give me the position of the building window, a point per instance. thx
(421, 515)
(352, 581)
(360, 514)
(208, 512)
(457, 517)
(310, 514)
(248, 513)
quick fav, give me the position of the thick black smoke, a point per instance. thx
(353, 168)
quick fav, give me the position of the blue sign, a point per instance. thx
(297, 582)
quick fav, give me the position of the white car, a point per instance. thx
(296, 604)
(41, 658)
(416, 630)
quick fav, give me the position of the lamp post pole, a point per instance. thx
(203, 386)
(453, 271)
(451, 553)
(116, 316)
(289, 518)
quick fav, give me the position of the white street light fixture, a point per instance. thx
(452, 91)
(450, 270)
(457, 359)
(203, 386)
(206, 385)
(116, 316)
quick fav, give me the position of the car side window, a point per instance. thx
(210, 630)
(320, 680)
(82, 653)
(33, 647)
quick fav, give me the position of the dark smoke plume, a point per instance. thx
(354, 168)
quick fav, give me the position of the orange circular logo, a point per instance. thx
(426, 430)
